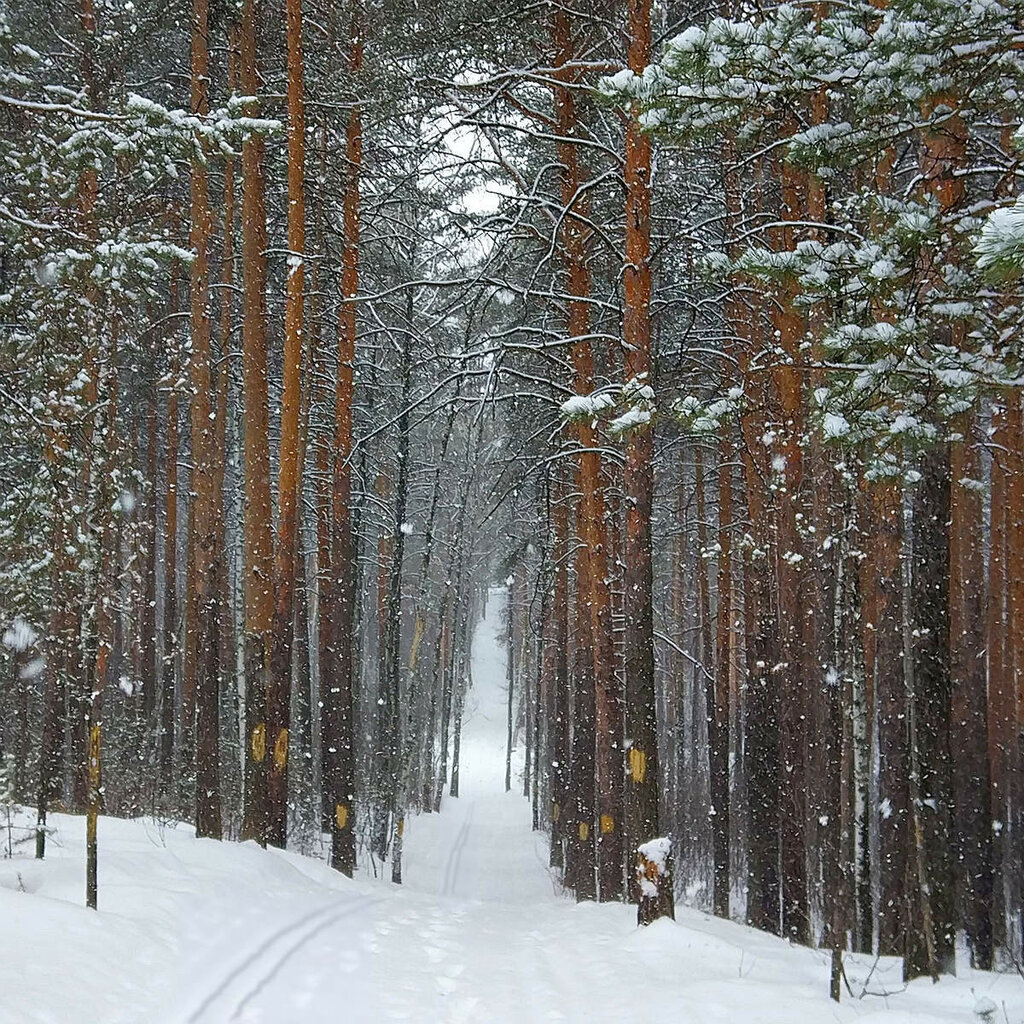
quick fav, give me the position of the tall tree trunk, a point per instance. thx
(258, 597)
(393, 740)
(286, 564)
(1014, 785)
(881, 614)
(1001, 702)
(102, 619)
(510, 680)
(203, 631)
(969, 697)
(790, 327)
(147, 618)
(760, 691)
(594, 591)
(944, 155)
(581, 862)
(932, 775)
(170, 624)
(223, 619)
(642, 801)
(558, 730)
(706, 649)
(718, 715)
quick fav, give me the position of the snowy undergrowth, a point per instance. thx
(200, 932)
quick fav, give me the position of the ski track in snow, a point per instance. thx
(264, 968)
(200, 932)
(455, 857)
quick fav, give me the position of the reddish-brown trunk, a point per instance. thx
(790, 327)
(642, 777)
(594, 590)
(258, 588)
(279, 692)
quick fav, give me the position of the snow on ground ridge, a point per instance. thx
(199, 932)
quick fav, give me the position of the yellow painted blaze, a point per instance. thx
(607, 823)
(341, 815)
(281, 750)
(555, 812)
(94, 752)
(584, 831)
(637, 765)
(259, 743)
(401, 827)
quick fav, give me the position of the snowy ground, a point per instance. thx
(209, 933)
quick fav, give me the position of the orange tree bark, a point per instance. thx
(279, 691)
(258, 596)
(223, 620)
(790, 328)
(594, 590)
(638, 478)
(82, 634)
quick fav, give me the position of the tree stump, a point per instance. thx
(654, 879)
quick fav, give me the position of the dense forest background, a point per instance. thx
(695, 328)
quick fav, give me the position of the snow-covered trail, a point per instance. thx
(455, 943)
(200, 932)
(480, 846)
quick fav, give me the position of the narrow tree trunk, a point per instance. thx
(883, 668)
(718, 717)
(558, 731)
(930, 737)
(170, 630)
(790, 327)
(582, 849)
(148, 673)
(259, 603)
(1001, 699)
(286, 563)
(944, 155)
(203, 630)
(642, 802)
(594, 589)
(969, 698)
(760, 691)
(510, 680)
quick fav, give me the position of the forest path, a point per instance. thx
(456, 942)
(481, 846)
(201, 932)
(479, 932)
